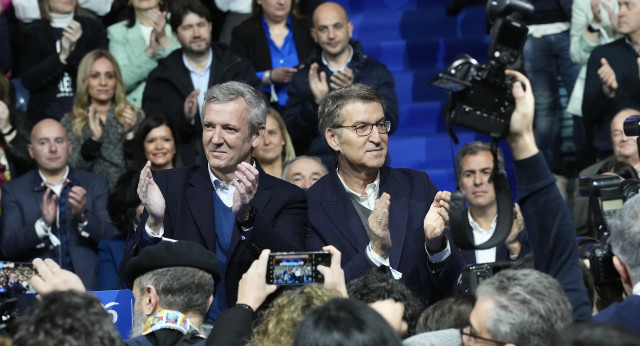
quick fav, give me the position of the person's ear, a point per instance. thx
(257, 136)
(314, 35)
(151, 301)
(332, 139)
(350, 28)
(30, 149)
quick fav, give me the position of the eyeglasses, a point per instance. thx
(366, 128)
(466, 334)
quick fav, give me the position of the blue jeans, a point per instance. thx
(545, 59)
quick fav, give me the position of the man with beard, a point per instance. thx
(176, 87)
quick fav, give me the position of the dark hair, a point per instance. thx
(595, 334)
(621, 168)
(124, 200)
(182, 8)
(131, 13)
(376, 285)
(147, 124)
(67, 318)
(345, 322)
(474, 148)
(451, 312)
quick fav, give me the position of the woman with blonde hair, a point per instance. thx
(102, 123)
(280, 321)
(276, 146)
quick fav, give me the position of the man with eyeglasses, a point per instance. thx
(337, 62)
(377, 216)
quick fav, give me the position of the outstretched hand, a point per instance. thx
(53, 278)
(253, 288)
(334, 275)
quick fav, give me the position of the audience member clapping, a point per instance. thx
(102, 123)
(276, 146)
(53, 48)
(139, 42)
(275, 41)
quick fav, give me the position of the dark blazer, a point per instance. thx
(333, 220)
(188, 193)
(21, 200)
(169, 84)
(41, 67)
(624, 314)
(249, 40)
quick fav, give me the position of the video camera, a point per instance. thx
(607, 194)
(480, 95)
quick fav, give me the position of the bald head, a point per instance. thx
(332, 30)
(333, 8)
(624, 148)
(50, 147)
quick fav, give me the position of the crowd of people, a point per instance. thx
(155, 158)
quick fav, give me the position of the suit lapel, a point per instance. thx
(394, 185)
(200, 199)
(341, 212)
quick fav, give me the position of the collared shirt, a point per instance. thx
(628, 41)
(480, 236)
(368, 200)
(225, 192)
(326, 63)
(285, 56)
(200, 80)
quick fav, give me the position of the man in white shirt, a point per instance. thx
(55, 211)
(475, 164)
(375, 215)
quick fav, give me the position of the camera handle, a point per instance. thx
(459, 222)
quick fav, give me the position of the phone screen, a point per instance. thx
(289, 268)
(15, 278)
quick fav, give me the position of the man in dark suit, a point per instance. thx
(475, 164)
(176, 87)
(229, 206)
(55, 211)
(337, 62)
(373, 214)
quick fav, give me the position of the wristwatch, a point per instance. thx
(248, 222)
(593, 28)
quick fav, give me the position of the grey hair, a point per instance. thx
(530, 307)
(183, 289)
(285, 169)
(230, 91)
(625, 236)
(330, 109)
(473, 148)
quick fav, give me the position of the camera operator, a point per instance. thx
(625, 242)
(505, 315)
